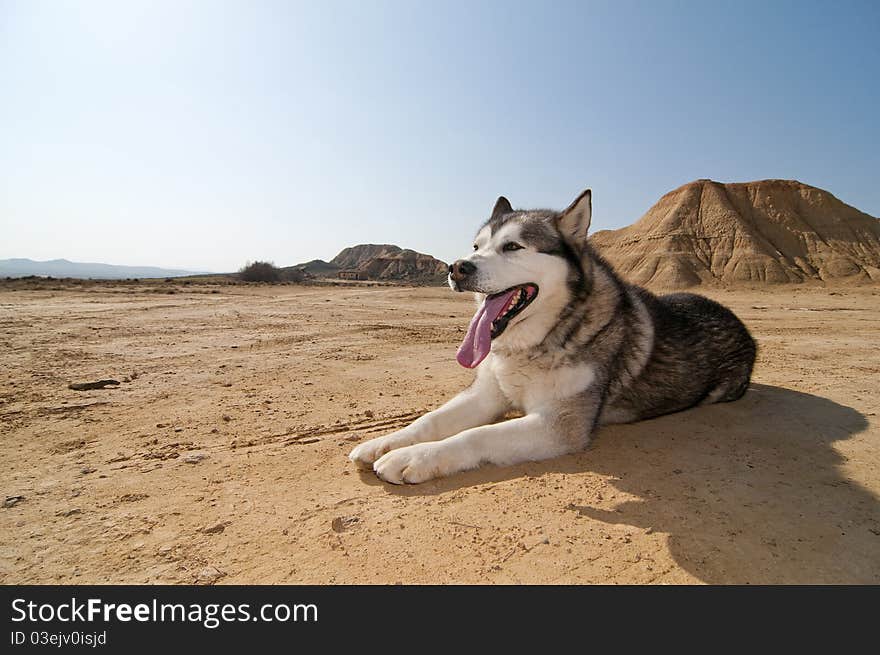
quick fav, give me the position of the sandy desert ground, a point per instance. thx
(221, 458)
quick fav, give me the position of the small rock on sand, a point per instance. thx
(88, 386)
(194, 458)
(209, 575)
(12, 501)
(214, 529)
(534, 540)
(343, 523)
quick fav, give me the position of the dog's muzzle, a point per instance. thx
(461, 270)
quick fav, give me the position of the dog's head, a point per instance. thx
(522, 270)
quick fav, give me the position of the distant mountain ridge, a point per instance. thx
(20, 267)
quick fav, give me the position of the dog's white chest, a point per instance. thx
(529, 387)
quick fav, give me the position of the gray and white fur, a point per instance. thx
(588, 350)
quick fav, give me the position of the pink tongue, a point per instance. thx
(478, 339)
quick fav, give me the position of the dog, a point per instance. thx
(560, 338)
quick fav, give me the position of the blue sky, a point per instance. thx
(203, 134)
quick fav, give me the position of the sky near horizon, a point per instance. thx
(199, 135)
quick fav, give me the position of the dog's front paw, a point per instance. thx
(368, 452)
(414, 464)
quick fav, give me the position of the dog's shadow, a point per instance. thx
(750, 491)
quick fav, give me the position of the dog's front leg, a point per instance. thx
(480, 403)
(534, 437)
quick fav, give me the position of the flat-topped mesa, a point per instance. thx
(355, 256)
(767, 231)
(405, 265)
(379, 262)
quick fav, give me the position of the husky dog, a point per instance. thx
(561, 338)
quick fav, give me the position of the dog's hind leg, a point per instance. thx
(479, 404)
(613, 415)
(727, 392)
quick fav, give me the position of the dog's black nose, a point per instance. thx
(461, 269)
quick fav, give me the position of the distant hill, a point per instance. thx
(315, 268)
(768, 231)
(405, 265)
(356, 256)
(380, 262)
(65, 268)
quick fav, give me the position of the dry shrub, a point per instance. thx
(260, 272)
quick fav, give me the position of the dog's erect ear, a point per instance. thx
(575, 221)
(502, 207)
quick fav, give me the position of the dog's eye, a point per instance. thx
(476, 247)
(511, 246)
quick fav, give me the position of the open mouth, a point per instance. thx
(518, 298)
(492, 318)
